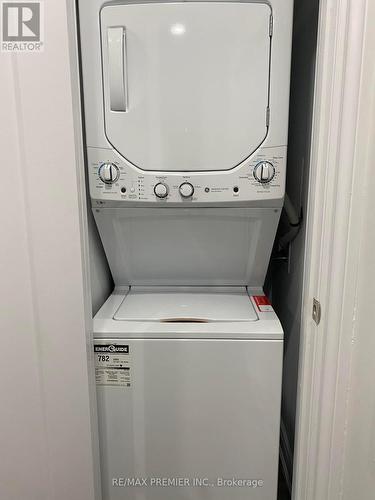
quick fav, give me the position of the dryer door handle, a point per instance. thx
(118, 92)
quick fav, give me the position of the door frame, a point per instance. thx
(331, 265)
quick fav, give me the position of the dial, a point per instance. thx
(109, 173)
(264, 172)
(186, 190)
(161, 190)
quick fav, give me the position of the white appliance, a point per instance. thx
(195, 403)
(186, 120)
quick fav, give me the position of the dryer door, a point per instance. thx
(186, 84)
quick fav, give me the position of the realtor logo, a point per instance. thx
(22, 26)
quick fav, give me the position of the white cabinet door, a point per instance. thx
(186, 84)
(205, 409)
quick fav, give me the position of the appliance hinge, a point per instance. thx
(268, 112)
(316, 311)
(271, 25)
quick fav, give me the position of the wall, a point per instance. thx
(23, 439)
(359, 452)
(359, 471)
(46, 418)
(287, 277)
(101, 282)
(341, 166)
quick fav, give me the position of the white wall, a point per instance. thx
(359, 472)
(23, 438)
(336, 401)
(359, 453)
(46, 423)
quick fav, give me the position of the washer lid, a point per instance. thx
(186, 84)
(190, 305)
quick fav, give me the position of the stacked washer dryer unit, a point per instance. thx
(186, 117)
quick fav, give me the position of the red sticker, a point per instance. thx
(262, 302)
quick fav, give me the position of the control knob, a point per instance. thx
(264, 172)
(161, 190)
(109, 173)
(186, 190)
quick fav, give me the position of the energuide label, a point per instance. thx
(112, 364)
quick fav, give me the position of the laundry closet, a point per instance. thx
(197, 128)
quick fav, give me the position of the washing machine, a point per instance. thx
(186, 124)
(188, 387)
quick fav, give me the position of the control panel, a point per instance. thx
(261, 177)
